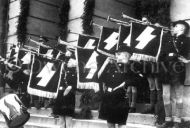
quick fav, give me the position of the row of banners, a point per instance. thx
(92, 56)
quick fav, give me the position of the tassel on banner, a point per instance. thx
(42, 93)
(88, 85)
(140, 57)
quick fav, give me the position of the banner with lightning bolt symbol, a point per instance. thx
(92, 65)
(45, 76)
(14, 52)
(124, 36)
(145, 42)
(108, 41)
(88, 63)
(87, 42)
(24, 58)
(87, 69)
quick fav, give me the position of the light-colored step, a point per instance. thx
(47, 112)
(31, 125)
(79, 124)
(41, 125)
(136, 118)
(102, 124)
(41, 111)
(42, 119)
(41, 116)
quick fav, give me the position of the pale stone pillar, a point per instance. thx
(3, 22)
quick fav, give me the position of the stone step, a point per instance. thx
(145, 119)
(48, 111)
(38, 121)
(78, 124)
(31, 125)
(41, 111)
(102, 124)
(35, 118)
(44, 116)
(134, 118)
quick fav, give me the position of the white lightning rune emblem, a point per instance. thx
(47, 72)
(145, 37)
(27, 58)
(49, 53)
(92, 65)
(90, 44)
(16, 54)
(127, 41)
(111, 40)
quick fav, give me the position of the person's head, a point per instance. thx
(71, 61)
(43, 39)
(145, 20)
(26, 71)
(123, 54)
(180, 27)
(68, 53)
(112, 60)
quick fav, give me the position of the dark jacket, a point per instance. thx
(173, 47)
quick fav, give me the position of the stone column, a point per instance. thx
(3, 33)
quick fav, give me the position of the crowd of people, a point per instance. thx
(120, 81)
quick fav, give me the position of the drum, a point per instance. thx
(13, 111)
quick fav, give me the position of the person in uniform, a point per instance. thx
(64, 105)
(151, 72)
(134, 79)
(173, 56)
(114, 107)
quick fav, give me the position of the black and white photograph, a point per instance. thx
(94, 64)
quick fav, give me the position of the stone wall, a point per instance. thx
(103, 9)
(43, 19)
(3, 24)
